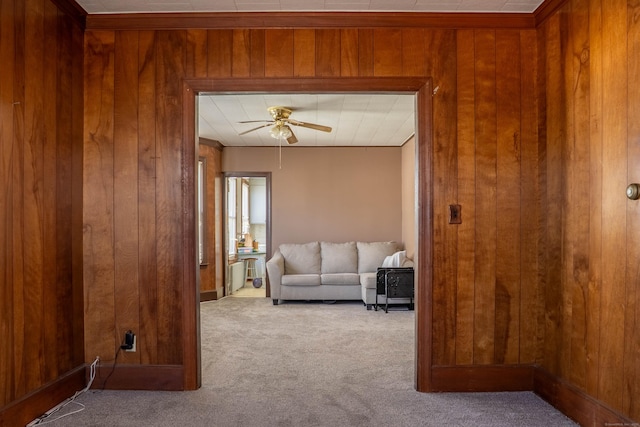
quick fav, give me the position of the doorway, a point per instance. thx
(422, 88)
(247, 232)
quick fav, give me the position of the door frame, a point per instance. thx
(422, 88)
(225, 229)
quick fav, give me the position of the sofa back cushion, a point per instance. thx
(371, 255)
(301, 258)
(339, 257)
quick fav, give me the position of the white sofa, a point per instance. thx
(330, 271)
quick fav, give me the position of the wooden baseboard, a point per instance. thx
(36, 403)
(575, 403)
(139, 377)
(208, 295)
(482, 378)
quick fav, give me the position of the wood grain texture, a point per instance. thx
(349, 41)
(508, 179)
(327, 50)
(591, 155)
(40, 113)
(595, 196)
(442, 67)
(631, 389)
(486, 134)
(126, 195)
(304, 48)
(147, 157)
(278, 53)
(614, 172)
(531, 307)
(170, 51)
(585, 82)
(98, 215)
(465, 290)
(220, 44)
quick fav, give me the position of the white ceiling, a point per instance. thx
(132, 6)
(355, 119)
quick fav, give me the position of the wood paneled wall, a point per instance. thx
(591, 149)
(41, 317)
(485, 151)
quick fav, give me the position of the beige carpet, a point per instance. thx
(308, 364)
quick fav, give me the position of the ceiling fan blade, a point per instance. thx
(251, 130)
(292, 139)
(310, 125)
(256, 121)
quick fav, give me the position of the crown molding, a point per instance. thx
(546, 9)
(238, 20)
(73, 10)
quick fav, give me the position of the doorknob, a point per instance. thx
(633, 191)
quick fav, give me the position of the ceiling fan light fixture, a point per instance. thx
(280, 131)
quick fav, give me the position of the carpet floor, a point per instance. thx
(308, 364)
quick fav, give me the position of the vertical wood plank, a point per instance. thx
(220, 45)
(595, 197)
(631, 388)
(365, 52)
(387, 57)
(445, 169)
(349, 52)
(169, 68)
(486, 133)
(304, 53)
(7, 161)
(278, 48)
(53, 283)
(98, 233)
(578, 192)
(413, 52)
(241, 53)
(17, 223)
(33, 196)
(147, 158)
(614, 132)
(466, 196)
(125, 197)
(68, 118)
(508, 176)
(530, 196)
(554, 166)
(257, 53)
(327, 53)
(197, 46)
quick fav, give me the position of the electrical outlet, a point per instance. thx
(133, 345)
(129, 342)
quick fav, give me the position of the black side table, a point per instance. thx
(394, 282)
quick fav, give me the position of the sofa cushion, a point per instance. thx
(371, 255)
(301, 258)
(301, 280)
(368, 280)
(339, 257)
(340, 279)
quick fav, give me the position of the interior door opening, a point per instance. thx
(247, 233)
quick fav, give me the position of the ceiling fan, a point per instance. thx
(280, 125)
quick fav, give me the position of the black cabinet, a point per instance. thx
(394, 283)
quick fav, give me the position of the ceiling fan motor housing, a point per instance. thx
(279, 113)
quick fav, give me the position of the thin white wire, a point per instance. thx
(44, 419)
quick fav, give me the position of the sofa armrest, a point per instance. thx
(275, 270)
